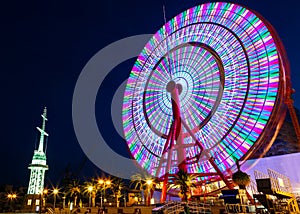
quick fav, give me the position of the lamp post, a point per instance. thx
(107, 184)
(125, 199)
(149, 183)
(55, 192)
(11, 197)
(90, 189)
(103, 184)
(45, 192)
(64, 200)
(44, 198)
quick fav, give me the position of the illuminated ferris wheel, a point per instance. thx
(207, 89)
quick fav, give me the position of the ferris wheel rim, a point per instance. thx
(278, 93)
(218, 60)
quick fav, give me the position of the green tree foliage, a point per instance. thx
(184, 181)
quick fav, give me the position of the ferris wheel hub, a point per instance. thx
(172, 85)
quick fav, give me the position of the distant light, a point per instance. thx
(55, 191)
(152, 201)
(12, 196)
(280, 182)
(149, 182)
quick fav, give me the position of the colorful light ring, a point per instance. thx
(226, 59)
(200, 80)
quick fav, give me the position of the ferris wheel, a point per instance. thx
(207, 89)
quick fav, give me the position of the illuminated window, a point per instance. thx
(29, 202)
(280, 182)
(37, 202)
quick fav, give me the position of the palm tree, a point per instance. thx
(73, 189)
(145, 184)
(183, 181)
(116, 188)
(90, 189)
(66, 182)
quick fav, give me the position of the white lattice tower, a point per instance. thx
(38, 165)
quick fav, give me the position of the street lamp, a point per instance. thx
(11, 197)
(45, 192)
(64, 200)
(105, 184)
(149, 183)
(90, 189)
(55, 192)
(101, 182)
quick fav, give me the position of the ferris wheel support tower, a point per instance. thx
(290, 104)
(176, 134)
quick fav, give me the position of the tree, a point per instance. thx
(145, 184)
(116, 188)
(183, 181)
(90, 189)
(73, 189)
(66, 182)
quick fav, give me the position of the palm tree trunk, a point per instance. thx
(75, 201)
(93, 199)
(148, 198)
(117, 200)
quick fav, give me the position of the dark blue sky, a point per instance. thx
(45, 45)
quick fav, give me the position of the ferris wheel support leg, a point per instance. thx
(175, 90)
(181, 152)
(168, 147)
(170, 139)
(163, 196)
(295, 122)
(228, 184)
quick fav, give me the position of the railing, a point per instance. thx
(181, 207)
(279, 182)
(199, 207)
(238, 208)
(50, 210)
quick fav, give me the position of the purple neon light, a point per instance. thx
(197, 49)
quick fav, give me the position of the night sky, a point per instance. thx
(46, 44)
